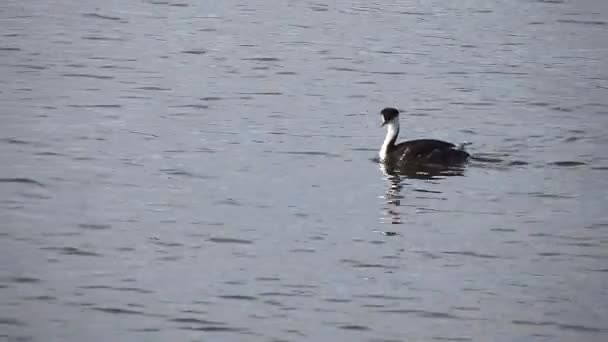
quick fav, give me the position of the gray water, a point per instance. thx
(201, 171)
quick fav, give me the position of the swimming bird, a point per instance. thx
(419, 151)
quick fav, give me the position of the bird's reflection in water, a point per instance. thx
(394, 176)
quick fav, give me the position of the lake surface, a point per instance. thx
(202, 171)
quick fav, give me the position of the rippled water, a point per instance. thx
(200, 170)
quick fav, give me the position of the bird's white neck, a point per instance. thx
(392, 130)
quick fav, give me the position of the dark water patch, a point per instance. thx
(111, 39)
(94, 226)
(230, 240)
(423, 313)
(211, 98)
(15, 141)
(117, 67)
(355, 327)
(472, 254)
(363, 149)
(567, 163)
(184, 173)
(584, 244)
(100, 16)
(319, 7)
(11, 321)
(262, 59)
(21, 180)
(261, 93)
(235, 282)
(76, 65)
(574, 327)
(368, 265)
(30, 66)
(194, 52)
(466, 308)
(485, 159)
(153, 88)
(230, 201)
(539, 104)
(99, 77)
(145, 134)
(238, 297)
(385, 297)
(146, 330)
(4, 48)
(582, 22)
(192, 320)
(416, 13)
(49, 153)
(563, 109)
(503, 230)
(121, 289)
(215, 329)
(117, 311)
(71, 251)
(179, 5)
(358, 264)
(157, 242)
(286, 73)
(268, 279)
(302, 250)
(549, 254)
(545, 195)
(300, 286)
(286, 294)
(517, 163)
(25, 280)
(388, 72)
(337, 300)
(42, 298)
(455, 339)
(427, 191)
(96, 106)
(195, 106)
(600, 225)
(344, 69)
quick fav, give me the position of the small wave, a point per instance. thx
(195, 52)
(99, 77)
(423, 313)
(567, 163)
(100, 16)
(11, 321)
(230, 240)
(94, 226)
(71, 251)
(473, 254)
(354, 327)
(22, 181)
(583, 22)
(238, 297)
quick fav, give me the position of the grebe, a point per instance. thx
(425, 151)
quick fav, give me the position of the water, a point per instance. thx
(200, 171)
